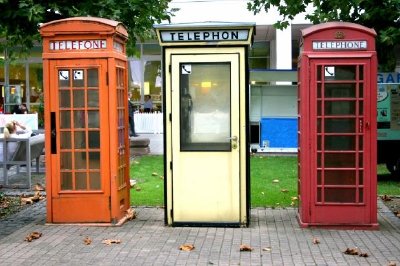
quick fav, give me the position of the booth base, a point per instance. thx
(372, 226)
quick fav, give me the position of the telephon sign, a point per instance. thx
(78, 45)
(205, 35)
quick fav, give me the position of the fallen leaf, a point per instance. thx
(132, 182)
(87, 240)
(154, 174)
(136, 162)
(38, 187)
(392, 263)
(351, 251)
(315, 241)
(111, 241)
(267, 249)
(25, 201)
(365, 255)
(36, 196)
(161, 177)
(262, 192)
(137, 188)
(130, 214)
(292, 203)
(32, 236)
(186, 247)
(244, 247)
(294, 198)
(398, 215)
(284, 190)
(275, 181)
(386, 198)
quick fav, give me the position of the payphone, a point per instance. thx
(337, 98)
(206, 122)
(86, 118)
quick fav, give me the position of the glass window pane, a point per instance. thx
(340, 72)
(36, 82)
(80, 140)
(93, 98)
(65, 161)
(80, 181)
(151, 49)
(341, 195)
(93, 77)
(340, 160)
(205, 107)
(94, 162)
(337, 143)
(340, 125)
(65, 140)
(94, 181)
(65, 119)
(93, 119)
(340, 177)
(65, 99)
(63, 78)
(79, 119)
(340, 90)
(79, 98)
(78, 78)
(80, 160)
(340, 108)
(94, 139)
(66, 180)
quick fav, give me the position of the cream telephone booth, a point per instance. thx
(205, 92)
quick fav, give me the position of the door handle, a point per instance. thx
(234, 142)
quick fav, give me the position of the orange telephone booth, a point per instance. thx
(337, 126)
(86, 118)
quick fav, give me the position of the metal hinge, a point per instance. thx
(171, 212)
(170, 165)
(170, 68)
(109, 203)
(170, 117)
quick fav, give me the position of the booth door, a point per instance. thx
(341, 136)
(205, 138)
(79, 150)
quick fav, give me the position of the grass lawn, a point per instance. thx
(273, 181)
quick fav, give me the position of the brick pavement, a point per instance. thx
(147, 241)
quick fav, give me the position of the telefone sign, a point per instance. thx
(78, 45)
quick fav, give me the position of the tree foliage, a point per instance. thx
(381, 15)
(20, 19)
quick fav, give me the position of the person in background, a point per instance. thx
(148, 104)
(20, 109)
(11, 131)
(131, 111)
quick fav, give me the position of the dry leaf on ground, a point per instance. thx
(267, 249)
(244, 247)
(130, 214)
(154, 174)
(386, 198)
(351, 251)
(111, 241)
(364, 254)
(275, 181)
(186, 247)
(316, 240)
(284, 190)
(32, 236)
(38, 187)
(392, 263)
(87, 240)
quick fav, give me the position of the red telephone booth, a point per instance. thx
(86, 118)
(337, 126)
